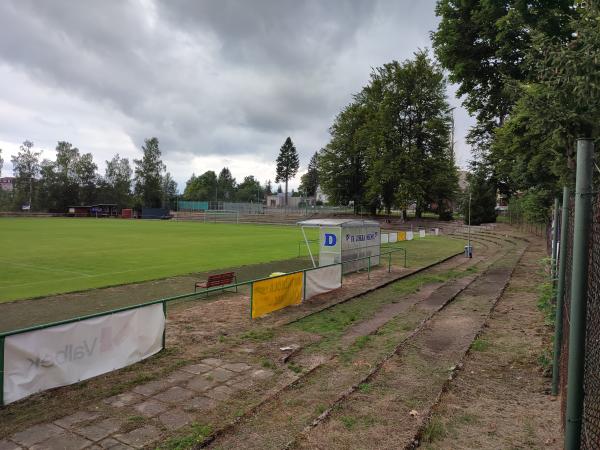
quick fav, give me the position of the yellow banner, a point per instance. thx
(276, 293)
(401, 235)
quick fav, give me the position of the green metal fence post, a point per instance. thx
(560, 289)
(389, 262)
(369, 269)
(303, 285)
(553, 266)
(1, 370)
(164, 336)
(579, 278)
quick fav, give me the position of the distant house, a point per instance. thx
(7, 184)
(278, 201)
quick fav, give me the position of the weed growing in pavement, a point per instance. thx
(196, 435)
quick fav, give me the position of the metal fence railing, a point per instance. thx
(379, 258)
(577, 324)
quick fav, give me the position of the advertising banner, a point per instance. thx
(409, 236)
(421, 233)
(275, 293)
(402, 235)
(393, 237)
(65, 354)
(321, 280)
(385, 238)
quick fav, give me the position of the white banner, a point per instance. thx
(393, 237)
(322, 280)
(65, 354)
(384, 238)
(409, 236)
(421, 233)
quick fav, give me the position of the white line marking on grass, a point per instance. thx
(47, 269)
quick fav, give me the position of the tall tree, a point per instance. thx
(491, 49)
(117, 176)
(201, 188)
(169, 191)
(249, 190)
(343, 161)
(268, 188)
(483, 45)
(26, 167)
(227, 185)
(288, 163)
(482, 196)
(310, 180)
(409, 133)
(148, 175)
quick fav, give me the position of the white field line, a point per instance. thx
(47, 269)
(103, 274)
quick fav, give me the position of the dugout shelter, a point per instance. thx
(355, 243)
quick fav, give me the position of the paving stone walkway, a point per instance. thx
(166, 403)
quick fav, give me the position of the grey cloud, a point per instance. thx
(225, 78)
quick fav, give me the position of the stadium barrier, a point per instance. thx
(38, 358)
(61, 353)
(322, 279)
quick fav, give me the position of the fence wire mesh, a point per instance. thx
(590, 438)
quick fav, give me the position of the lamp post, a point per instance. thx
(470, 251)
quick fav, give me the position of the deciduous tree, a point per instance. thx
(148, 175)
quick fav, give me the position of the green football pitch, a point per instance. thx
(48, 256)
(56, 255)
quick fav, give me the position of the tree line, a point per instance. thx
(529, 73)
(72, 179)
(391, 147)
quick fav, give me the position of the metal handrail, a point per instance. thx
(184, 296)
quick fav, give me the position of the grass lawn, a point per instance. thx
(48, 256)
(56, 255)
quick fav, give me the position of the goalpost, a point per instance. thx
(221, 216)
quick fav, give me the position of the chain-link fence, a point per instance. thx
(590, 438)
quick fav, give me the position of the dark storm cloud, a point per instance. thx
(209, 78)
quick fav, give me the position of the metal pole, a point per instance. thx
(469, 241)
(1, 370)
(554, 244)
(577, 317)
(308, 247)
(560, 289)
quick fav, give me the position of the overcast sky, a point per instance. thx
(220, 83)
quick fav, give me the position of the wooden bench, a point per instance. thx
(219, 279)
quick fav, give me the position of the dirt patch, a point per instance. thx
(499, 398)
(25, 313)
(378, 415)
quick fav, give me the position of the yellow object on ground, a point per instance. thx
(401, 235)
(276, 293)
